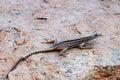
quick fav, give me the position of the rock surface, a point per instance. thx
(104, 73)
(22, 30)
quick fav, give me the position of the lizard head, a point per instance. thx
(96, 35)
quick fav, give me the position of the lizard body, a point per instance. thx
(61, 46)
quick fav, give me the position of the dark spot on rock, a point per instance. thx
(69, 71)
(16, 12)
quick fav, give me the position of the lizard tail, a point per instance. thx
(28, 55)
(37, 51)
(15, 65)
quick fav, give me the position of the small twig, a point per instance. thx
(75, 29)
(116, 13)
(16, 29)
(46, 1)
(42, 19)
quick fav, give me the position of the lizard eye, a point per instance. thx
(96, 34)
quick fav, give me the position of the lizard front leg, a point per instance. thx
(82, 46)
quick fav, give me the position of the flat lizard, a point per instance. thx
(61, 46)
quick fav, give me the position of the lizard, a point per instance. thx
(61, 46)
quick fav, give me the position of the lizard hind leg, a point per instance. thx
(63, 51)
(82, 45)
(52, 41)
(55, 41)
